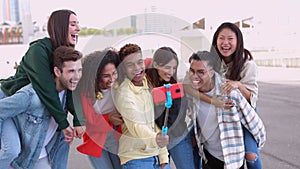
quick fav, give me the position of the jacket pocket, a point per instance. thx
(33, 124)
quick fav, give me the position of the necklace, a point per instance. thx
(99, 95)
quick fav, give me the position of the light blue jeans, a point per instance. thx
(109, 158)
(59, 154)
(9, 140)
(145, 163)
(251, 147)
(182, 153)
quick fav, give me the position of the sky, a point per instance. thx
(280, 18)
(98, 13)
(278, 21)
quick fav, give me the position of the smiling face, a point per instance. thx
(166, 71)
(108, 76)
(69, 76)
(227, 43)
(73, 29)
(200, 75)
(134, 67)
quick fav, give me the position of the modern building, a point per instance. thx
(17, 26)
(11, 12)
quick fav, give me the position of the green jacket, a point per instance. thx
(36, 67)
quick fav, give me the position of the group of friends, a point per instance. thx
(214, 125)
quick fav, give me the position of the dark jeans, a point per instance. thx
(212, 162)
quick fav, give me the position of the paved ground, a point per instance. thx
(278, 106)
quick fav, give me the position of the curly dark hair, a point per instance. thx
(123, 53)
(128, 49)
(93, 65)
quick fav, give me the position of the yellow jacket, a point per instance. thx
(138, 140)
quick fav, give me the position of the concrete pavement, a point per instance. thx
(279, 108)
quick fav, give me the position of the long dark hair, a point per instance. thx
(239, 57)
(93, 65)
(58, 27)
(161, 57)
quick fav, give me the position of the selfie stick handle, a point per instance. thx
(168, 105)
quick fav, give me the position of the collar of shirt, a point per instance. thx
(138, 89)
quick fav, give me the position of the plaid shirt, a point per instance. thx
(230, 122)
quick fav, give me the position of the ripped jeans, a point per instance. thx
(251, 147)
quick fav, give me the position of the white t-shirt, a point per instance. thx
(210, 134)
(105, 105)
(52, 126)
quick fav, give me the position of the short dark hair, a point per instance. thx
(63, 54)
(213, 61)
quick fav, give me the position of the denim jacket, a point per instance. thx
(32, 120)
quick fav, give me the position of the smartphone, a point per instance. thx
(159, 93)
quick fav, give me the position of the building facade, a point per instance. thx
(11, 11)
